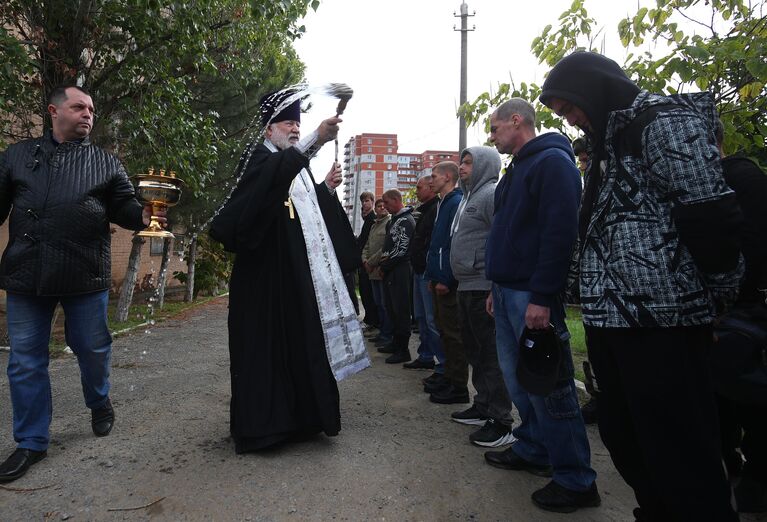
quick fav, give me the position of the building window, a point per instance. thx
(388, 142)
(370, 141)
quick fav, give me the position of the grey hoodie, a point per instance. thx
(472, 221)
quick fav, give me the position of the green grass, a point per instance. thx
(577, 339)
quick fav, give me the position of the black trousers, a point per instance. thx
(447, 319)
(366, 295)
(658, 419)
(478, 335)
(396, 284)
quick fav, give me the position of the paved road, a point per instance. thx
(398, 456)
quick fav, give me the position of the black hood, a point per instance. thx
(593, 83)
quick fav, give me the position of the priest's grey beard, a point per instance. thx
(282, 139)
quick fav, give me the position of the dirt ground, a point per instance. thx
(398, 457)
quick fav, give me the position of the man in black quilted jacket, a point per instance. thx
(61, 192)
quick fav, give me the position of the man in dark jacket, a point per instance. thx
(371, 319)
(395, 264)
(62, 193)
(527, 256)
(659, 257)
(423, 305)
(453, 389)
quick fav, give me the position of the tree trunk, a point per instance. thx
(129, 283)
(190, 259)
(163, 277)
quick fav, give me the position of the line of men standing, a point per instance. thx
(453, 281)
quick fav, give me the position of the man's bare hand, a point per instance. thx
(328, 129)
(489, 305)
(537, 317)
(147, 213)
(333, 179)
(441, 289)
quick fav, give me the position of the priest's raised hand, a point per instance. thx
(328, 129)
(333, 179)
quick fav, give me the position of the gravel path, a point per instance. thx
(398, 456)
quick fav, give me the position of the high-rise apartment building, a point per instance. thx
(372, 163)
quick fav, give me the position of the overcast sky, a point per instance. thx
(402, 58)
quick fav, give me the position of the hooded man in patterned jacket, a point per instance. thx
(659, 258)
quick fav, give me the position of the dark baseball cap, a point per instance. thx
(540, 354)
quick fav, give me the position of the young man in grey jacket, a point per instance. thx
(478, 174)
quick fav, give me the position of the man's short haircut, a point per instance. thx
(379, 200)
(517, 106)
(451, 167)
(367, 195)
(580, 145)
(393, 194)
(59, 93)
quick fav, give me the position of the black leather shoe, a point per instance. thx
(507, 459)
(18, 463)
(450, 395)
(389, 348)
(553, 497)
(398, 358)
(386, 341)
(102, 419)
(418, 364)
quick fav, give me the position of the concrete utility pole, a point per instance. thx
(464, 33)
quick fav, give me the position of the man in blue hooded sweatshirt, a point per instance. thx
(527, 258)
(453, 389)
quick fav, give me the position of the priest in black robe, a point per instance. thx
(292, 328)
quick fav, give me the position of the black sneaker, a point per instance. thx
(492, 435)
(469, 416)
(553, 497)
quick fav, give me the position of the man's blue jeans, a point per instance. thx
(552, 430)
(29, 329)
(423, 309)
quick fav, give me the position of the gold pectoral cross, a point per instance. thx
(289, 204)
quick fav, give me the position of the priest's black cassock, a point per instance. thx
(282, 384)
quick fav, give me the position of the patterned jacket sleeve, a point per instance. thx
(686, 162)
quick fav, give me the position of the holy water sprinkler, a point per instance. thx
(344, 93)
